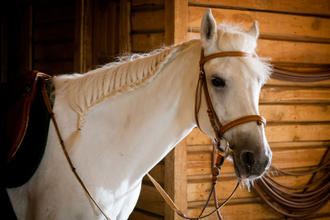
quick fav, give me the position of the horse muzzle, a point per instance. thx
(252, 161)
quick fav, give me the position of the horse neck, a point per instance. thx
(137, 129)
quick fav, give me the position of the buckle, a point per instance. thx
(227, 150)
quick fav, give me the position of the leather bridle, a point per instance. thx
(218, 128)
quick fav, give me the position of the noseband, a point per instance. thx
(218, 128)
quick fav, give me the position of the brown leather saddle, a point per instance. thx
(19, 97)
(24, 127)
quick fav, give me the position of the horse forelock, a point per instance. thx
(233, 38)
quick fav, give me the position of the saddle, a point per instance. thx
(24, 127)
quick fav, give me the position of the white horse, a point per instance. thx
(121, 119)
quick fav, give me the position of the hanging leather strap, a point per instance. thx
(52, 115)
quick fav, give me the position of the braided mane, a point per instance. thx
(85, 91)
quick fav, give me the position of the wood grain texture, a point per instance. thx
(317, 7)
(148, 21)
(146, 42)
(278, 132)
(271, 94)
(250, 211)
(287, 51)
(176, 179)
(150, 200)
(200, 163)
(295, 113)
(269, 23)
(199, 190)
(124, 27)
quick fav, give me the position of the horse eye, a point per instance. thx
(218, 82)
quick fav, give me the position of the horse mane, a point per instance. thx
(85, 91)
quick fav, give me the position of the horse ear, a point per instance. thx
(254, 30)
(208, 30)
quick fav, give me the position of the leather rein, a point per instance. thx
(218, 128)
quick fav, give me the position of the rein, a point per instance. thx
(218, 128)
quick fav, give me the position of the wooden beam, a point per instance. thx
(78, 40)
(83, 36)
(176, 21)
(125, 27)
(176, 179)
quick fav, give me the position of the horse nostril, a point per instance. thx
(247, 159)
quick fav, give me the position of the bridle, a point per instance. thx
(218, 128)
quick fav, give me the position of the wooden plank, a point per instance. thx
(55, 67)
(158, 173)
(274, 146)
(105, 32)
(295, 113)
(271, 94)
(176, 21)
(199, 190)
(49, 3)
(269, 23)
(176, 179)
(63, 50)
(140, 214)
(249, 211)
(290, 52)
(274, 82)
(317, 7)
(136, 3)
(124, 27)
(146, 42)
(148, 21)
(78, 37)
(56, 32)
(277, 133)
(196, 137)
(297, 132)
(57, 13)
(88, 36)
(200, 163)
(295, 52)
(150, 200)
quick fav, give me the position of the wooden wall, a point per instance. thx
(295, 35)
(53, 36)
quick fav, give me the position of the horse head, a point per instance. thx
(234, 84)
